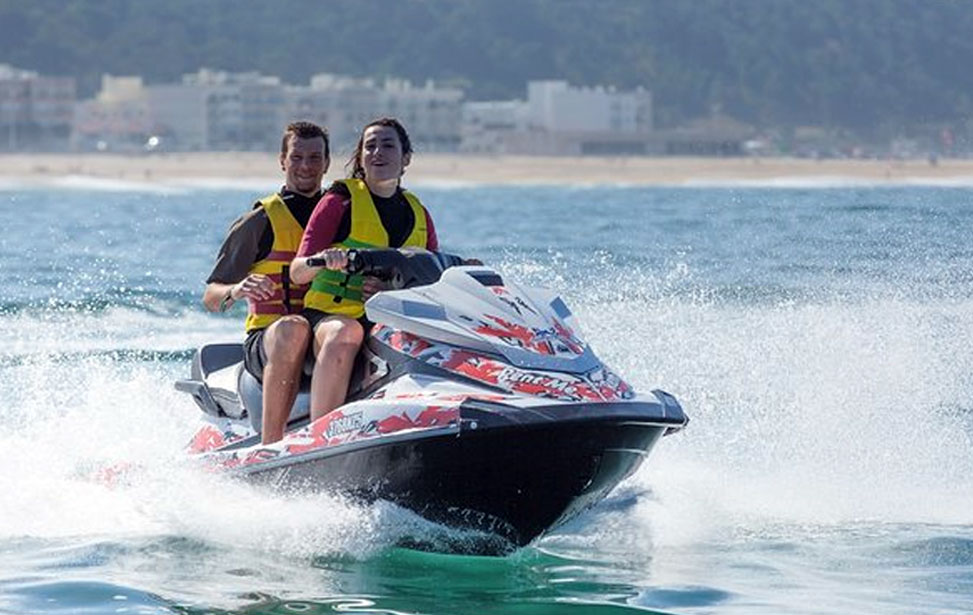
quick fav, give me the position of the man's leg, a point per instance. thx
(285, 344)
(336, 343)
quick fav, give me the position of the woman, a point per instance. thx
(368, 210)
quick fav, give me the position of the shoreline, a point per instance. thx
(248, 168)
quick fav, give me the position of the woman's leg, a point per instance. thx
(336, 343)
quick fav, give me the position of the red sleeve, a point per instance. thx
(323, 224)
(432, 242)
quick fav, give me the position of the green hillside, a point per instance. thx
(873, 66)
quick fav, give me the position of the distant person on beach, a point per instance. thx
(253, 264)
(370, 209)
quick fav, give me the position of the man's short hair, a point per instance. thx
(305, 130)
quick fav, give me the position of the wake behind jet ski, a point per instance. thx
(474, 403)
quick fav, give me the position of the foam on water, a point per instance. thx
(828, 412)
(825, 413)
(64, 432)
(93, 436)
(116, 328)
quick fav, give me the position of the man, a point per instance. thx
(253, 264)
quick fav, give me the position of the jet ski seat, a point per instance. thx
(251, 396)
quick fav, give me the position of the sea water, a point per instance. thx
(820, 338)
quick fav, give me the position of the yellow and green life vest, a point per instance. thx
(288, 298)
(336, 292)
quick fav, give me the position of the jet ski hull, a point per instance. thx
(513, 482)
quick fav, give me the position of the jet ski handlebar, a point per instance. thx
(405, 268)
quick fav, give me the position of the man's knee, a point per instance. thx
(288, 337)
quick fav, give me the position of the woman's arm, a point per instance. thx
(432, 242)
(319, 235)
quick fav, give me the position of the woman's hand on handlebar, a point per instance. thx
(334, 258)
(304, 268)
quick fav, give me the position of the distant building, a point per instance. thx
(118, 118)
(488, 127)
(555, 106)
(431, 114)
(559, 119)
(36, 112)
(715, 135)
(341, 104)
(217, 110)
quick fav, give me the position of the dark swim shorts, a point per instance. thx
(255, 356)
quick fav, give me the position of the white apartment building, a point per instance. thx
(558, 118)
(339, 103)
(555, 106)
(216, 110)
(430, 114)
(118, 118)
(36, 112)
(487, 125)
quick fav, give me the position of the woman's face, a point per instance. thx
(382, 156)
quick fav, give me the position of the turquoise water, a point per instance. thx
(821, 339)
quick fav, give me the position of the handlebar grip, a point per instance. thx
(354, 261)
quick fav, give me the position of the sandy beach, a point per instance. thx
(248, 167)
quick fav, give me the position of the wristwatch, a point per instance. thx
(227, 300)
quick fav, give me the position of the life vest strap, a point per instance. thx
(340, 291)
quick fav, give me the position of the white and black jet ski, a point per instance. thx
(474, 403)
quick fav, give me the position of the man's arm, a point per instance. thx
(230, 279)
(218, 297)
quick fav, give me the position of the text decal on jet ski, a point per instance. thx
(344, 424)
(374, 421)
(601, 384)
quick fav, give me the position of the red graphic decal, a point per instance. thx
(514, 334)
(599, 386)
(431, 416)
(453, 397)
(408, 343)
(112, 475)
(261, 454)
(208, 438)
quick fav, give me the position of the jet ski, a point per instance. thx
(474, 403)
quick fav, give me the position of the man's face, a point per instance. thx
(304, 164)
